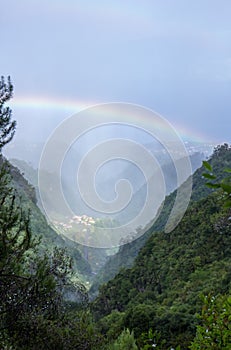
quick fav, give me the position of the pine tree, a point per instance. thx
(31, 285)
(7, 126)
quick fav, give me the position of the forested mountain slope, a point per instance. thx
(162, 289)
(220, 159)
(40, 228)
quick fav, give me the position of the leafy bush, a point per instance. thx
(214, 332)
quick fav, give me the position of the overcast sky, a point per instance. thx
(171, 56)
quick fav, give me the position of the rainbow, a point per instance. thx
(40, 102)
(71, 106)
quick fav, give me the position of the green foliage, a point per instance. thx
(15, 242)
(214, 332)
(30, 285)
(69, 332)
(7, 126)
(224, 185)
(161, 290)
(149, 340)
(111, 325)
(125, 341)
(220, 160)
(32, 309)
(140, 317)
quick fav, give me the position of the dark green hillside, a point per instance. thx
(39, 226)
(127, 253)
(161, 291)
